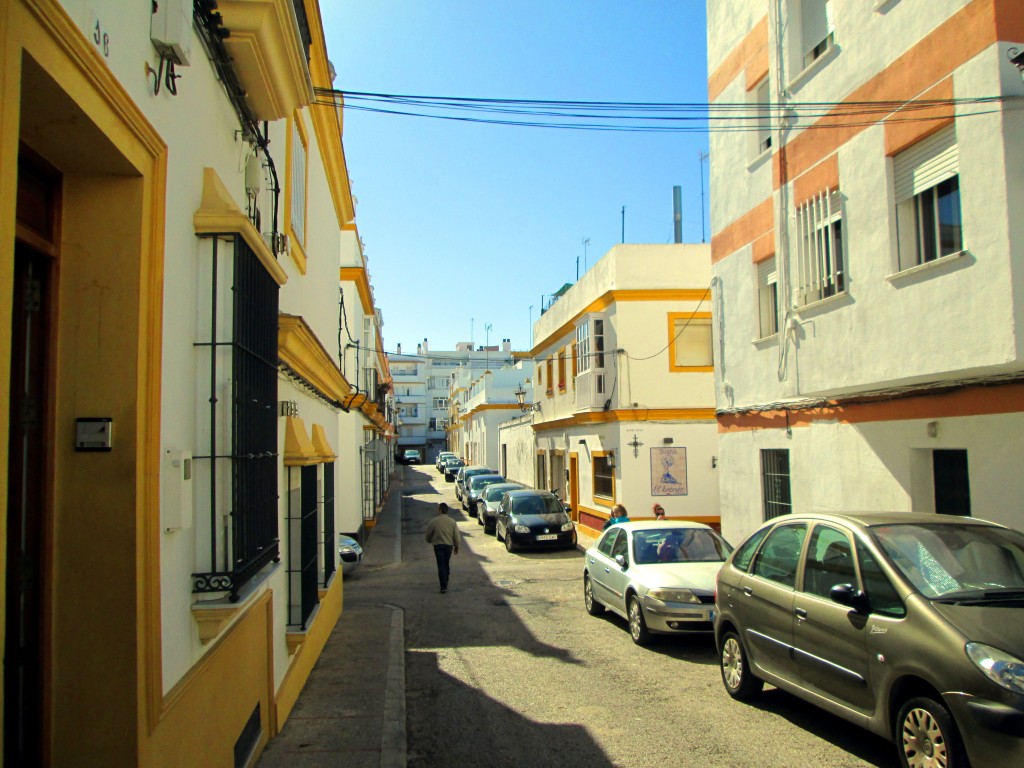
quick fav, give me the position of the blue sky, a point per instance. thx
(468, 225)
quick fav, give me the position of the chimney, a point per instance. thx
(398, 349)
(419, 349)
(425, 350)
(506, 345)
(677, 212)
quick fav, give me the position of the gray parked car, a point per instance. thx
(487, 503)
(909, 625)
(467, 472)
(474, 487)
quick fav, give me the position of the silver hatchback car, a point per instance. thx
(909, 625)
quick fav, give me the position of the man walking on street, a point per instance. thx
(443, 533)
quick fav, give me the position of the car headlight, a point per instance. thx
(346, 548)
(673, 595)
(520, 528)
(1000, 667)
(566, 526)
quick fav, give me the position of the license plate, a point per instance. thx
(547, 537)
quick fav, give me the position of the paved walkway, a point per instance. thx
(352, 711)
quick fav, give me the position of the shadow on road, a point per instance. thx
(857, 741)
(482, 731)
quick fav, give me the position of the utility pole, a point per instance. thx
(701, 157)
(531, 326)
(487, 345)
(577, 269)
(586, 242)
(623, 224)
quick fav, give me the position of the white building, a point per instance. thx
(489, 401)
(169, 254)
(868, 261)
(625, 386)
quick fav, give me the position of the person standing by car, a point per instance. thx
(659, 513)
(619, 515)
(443, 533)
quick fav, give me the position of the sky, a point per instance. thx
(468, 227)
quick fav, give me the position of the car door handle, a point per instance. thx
(801, 613)
(748, 591)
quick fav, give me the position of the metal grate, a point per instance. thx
(302, 547)
(249, 539)
(329, 542)
(775, 482)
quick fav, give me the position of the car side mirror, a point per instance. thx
(621, 560)
(851, 597)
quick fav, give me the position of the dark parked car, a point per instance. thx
(533, 519)
(467, 472)
(441, 458)
(474, 487)
(487, 503)
(909, 625)
(412, 456)
(451, 467)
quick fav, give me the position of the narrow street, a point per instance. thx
(507, 669)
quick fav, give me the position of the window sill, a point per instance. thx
(212, 617)
(883, 6)
(758, 161)
(824, 305)
(766, 341)
(938, 266)
(811, 69)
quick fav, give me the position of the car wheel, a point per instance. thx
(509, 546)
(927, 735)
(739, 682)
(496, 534)
(637, 625)
(479, 516)
(594, 608)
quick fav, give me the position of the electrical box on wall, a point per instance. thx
(176, 490)
(171, 30)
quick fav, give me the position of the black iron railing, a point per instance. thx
(250, 540)
(302, 548)
(330, 545)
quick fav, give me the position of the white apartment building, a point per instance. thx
(625, 387)
(490, 400)
(868, 263)
(174, 200)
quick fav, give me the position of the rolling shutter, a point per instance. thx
(925, 164)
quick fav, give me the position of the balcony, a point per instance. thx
(269, 46)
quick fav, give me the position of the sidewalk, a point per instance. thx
(352, 709)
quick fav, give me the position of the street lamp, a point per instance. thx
(524, 406)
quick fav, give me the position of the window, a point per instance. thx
(604, 477)
(762, 101)
(440, 403)
(297, 181)
(816, 28)
(768, 298)
(561, 370)
(778, 558)
(746, 550)
(927, 185)
(575, 361)
(690, 340)
(328, 513)
(550, 377)
(820, 248)
(583, 348)
(607, 543)
(881, 594)
(775, 482)
(829, 562)
(598, 343)
(302, 544)
(541, 479)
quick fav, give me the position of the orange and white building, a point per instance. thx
(868, 256)
(625, 387)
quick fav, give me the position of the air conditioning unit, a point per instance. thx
(171, 30)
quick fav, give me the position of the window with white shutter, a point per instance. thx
(821, 269)
(768, 297)
(927, 185)
(817, 29)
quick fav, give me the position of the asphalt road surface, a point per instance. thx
(507, 669)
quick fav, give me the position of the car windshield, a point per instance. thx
(495, 492)
(480, 481)
(956, 561)
(679, 545)
(537, 505)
